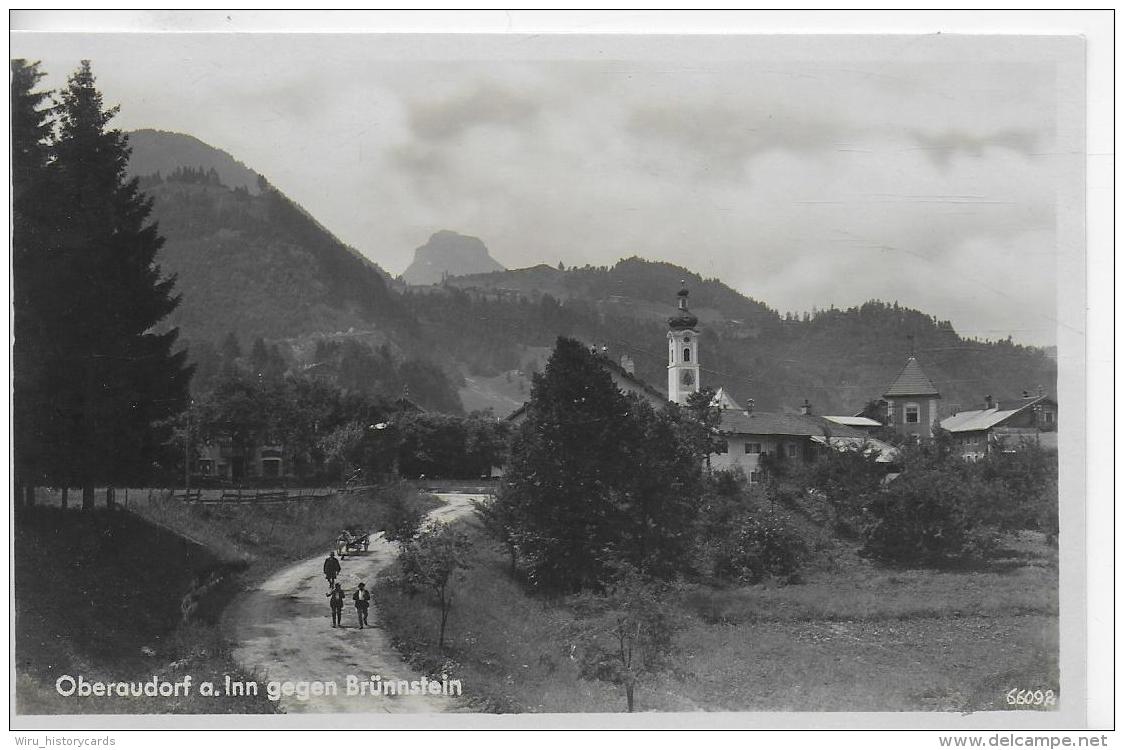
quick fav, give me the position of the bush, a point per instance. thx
(929, 516)
(1026, 489)
(759, 545)
(628, 633)
(829, 490)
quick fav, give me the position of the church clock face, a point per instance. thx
(688, 378)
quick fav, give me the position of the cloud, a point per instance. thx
(447, 119)
(722, 139)
(943, 147)
(419, 160)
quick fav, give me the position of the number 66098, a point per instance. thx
(1016, 697)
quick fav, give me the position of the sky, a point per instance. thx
(804, 172)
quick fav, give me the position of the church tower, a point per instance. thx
(682, 352)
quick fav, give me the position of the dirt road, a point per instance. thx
(283, 632)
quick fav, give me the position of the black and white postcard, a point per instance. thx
(402, 380)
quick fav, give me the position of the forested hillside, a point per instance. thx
(838, 359)
(257, 265)
(251, 262)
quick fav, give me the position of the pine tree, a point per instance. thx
(31, 130)
(119, 377)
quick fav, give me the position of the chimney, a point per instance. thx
(749, 406)
(987, 400)
(806, 408)
(628, 365)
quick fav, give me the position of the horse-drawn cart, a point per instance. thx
(352, 540)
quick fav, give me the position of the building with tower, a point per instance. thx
(745, 433)
(682, 352)
(911, 402)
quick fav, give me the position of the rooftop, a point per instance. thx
(911, 381)
(985, 419)
(773, 423)
(855, 421)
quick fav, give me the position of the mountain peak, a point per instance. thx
(162, 151)
(449, 253)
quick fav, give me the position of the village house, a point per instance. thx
(1004, 427)
(223, 459)
(748, 435)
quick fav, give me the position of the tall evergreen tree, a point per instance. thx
(31, 131)
(597, 479)
(119, 378)
(564, 468)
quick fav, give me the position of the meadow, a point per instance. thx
(852, 637)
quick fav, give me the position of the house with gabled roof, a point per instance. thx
(1002, 427)
(746, 435)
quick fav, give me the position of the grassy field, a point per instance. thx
(99, 593)
(855, 637)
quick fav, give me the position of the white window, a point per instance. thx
(751, 448)
(723, 446)
(1048, 417)
(912, 413)
(686, 354)
(754, 477)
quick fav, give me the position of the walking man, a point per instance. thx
(335, 601)
(331, 569)
(362, 599)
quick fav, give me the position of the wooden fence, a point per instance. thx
(238, 495)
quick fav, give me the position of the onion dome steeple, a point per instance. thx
(683, 318)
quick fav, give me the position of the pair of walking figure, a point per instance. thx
(337, 597)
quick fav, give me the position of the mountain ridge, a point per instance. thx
(260, 265)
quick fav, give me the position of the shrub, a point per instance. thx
(760, 545)
(628, 633)
(929, 515)
(829, 490)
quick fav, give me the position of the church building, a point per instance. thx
(748, 434)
